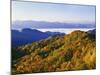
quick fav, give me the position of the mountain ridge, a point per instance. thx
(44, 24)
(28, 35)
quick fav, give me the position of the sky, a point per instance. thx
(51, 12)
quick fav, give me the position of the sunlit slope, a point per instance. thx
(75, 51)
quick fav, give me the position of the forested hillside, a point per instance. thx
(75, 51)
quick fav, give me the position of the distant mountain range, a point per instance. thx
(30, 35)
(43, 24)
(54, 33)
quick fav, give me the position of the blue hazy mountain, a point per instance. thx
(43, 24)
(29, 35)
(54, 33)
(92, 31)
(26, 36)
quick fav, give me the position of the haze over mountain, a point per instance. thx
(29, 35)
(44, 24)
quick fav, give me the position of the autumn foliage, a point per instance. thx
(75, 51)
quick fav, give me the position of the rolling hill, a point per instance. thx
(75, 51)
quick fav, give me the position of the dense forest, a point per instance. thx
(69, 52)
